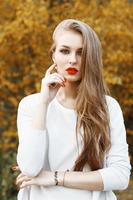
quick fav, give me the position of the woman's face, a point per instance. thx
(67, 55)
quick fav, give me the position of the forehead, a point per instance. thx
(69, 38)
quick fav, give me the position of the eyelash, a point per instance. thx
(65, 51)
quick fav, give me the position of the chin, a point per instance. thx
(72, 78)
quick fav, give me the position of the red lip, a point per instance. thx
(71, 70)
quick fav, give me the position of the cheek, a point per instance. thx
(60, 59)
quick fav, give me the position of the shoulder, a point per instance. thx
(31, 99)
(113, 104)
(115, 111)
(29, 103)
(111, 101)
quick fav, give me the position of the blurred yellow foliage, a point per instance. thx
(26, 28)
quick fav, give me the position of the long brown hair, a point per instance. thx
(91, 105)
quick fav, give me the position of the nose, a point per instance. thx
(72, 58)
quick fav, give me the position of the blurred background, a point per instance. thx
(26, 28)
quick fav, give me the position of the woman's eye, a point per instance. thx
(79, 53)
(64, 51)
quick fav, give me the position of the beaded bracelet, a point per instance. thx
(55, 177)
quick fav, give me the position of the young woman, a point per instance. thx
(72, 139)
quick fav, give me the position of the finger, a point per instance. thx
(19, 176)
(27, 183)
(49, 70)
(56, 83)
(24, 178)
(59, 75)
(55, 79)
(20, 181)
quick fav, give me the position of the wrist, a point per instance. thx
(60, 178)
(43, 99)
(52, 179)
(57, 178)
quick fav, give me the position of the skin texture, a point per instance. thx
(65, 89)
(68, 57)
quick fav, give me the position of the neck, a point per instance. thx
(69, 91)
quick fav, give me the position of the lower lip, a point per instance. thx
(72, 72)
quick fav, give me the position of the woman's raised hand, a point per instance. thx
(51, 84)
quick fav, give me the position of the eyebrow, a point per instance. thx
(69, 47)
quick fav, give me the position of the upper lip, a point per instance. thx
(71, 68)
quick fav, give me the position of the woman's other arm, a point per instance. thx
(116, 174)
(33, 139)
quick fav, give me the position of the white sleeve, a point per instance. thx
(116, 174)
(33, 144)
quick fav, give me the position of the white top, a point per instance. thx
(56, 149)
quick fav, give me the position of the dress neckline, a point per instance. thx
(71, 110)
